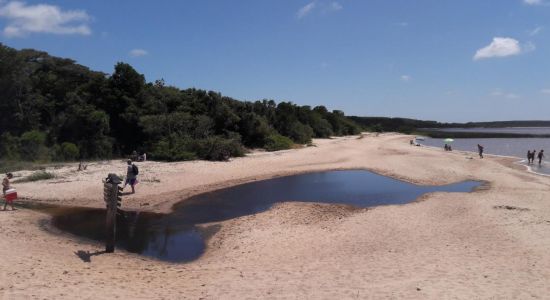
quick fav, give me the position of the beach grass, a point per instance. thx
(36, 176)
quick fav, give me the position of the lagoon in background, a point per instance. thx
(516, 147)
(514, 130)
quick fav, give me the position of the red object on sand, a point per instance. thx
(11, 195)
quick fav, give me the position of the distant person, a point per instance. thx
(134, 155)
(412, 142)
(5, 187)
(533, 155)
(142, 157)
(450, 148)
(540, 156)
(131, 175)
(528, 157)
(480, 150)
(446, 147)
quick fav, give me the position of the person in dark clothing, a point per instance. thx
(533, 155)
(131, 176)
(540, 156)
(480, 150)
(528, 157)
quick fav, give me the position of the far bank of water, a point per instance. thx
(515, 147)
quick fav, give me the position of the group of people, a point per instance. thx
(132, 172)
(531, 156)
(448, 147)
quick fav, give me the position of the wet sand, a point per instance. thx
(490, 243)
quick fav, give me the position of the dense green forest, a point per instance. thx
(55, 109)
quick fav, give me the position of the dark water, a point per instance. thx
(175, 237)
(516, 130)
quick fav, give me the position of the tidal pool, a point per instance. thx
(175, 237)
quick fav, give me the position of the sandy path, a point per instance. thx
(445, 246)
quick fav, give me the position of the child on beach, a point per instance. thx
(6, 186)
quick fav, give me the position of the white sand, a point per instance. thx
(449, 245)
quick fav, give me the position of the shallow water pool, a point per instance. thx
(175, 237)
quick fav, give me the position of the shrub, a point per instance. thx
(36, 176)
(175, 149)
(276, 142)
(33, 146)
(218, 148)
(69, 151)
(9, 147)
(377, 128)
(300, 133)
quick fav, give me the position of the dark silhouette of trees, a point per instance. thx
(55, 109)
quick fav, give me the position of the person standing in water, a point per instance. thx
(533, 155)
(541, 156)
(528, 157)
(480, 150)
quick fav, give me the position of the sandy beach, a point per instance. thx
(492, 243)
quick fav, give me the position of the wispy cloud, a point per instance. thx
(406, 78)
(503, 47)
(23, 19)
(503, 94)
(335, 6)
(306, 10)
(535, 2)
(321, 6)
(138, 52)
(535, 31)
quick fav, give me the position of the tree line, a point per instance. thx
(55, 109)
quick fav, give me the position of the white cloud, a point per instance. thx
(406, 78)
(545, 91)
(502, 94)
(322, 7)
(304, 11)
(535, 31)
(502, 47)
(533, 2)
(138, 52)
(23, 19)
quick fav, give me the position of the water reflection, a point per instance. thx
(175, 237)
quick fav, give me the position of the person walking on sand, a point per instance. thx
(131, 175)
(541, 156)
(480, 149)
(5, 187)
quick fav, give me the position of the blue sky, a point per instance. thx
(467, 60)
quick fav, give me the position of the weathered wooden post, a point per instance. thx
(112, 197)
